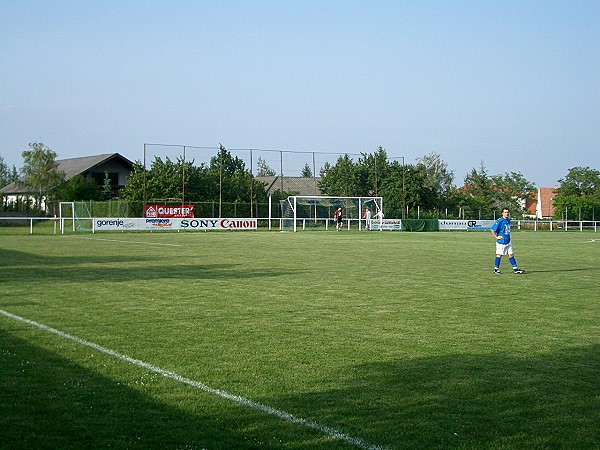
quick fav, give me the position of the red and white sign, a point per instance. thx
(166, 223)
(173, 212)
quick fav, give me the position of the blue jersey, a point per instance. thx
(502, 228)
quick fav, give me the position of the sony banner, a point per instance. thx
(469, 225)
(193, 224)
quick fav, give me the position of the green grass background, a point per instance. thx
(402, 340)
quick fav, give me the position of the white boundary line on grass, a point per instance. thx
(331, 432)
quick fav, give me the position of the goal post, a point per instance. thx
(77, 213)
(316, 211)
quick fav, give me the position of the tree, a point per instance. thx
(417, 193)
(580, 181)
(134, 188)
(339, 180)
(391, 189)
(7, 175)
(77, 189)
(165, 180)
(485, 195)
(371, 170)
(306, 171)
(437, 174)
(40, 171)
(323, 183)
(578, 195)
(477, 193)
(515, 189)
(106, 187)
(263, 168)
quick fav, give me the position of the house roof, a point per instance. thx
(76, 166)
(299, 185)
(73, 167)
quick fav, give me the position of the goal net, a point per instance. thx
(300, 212)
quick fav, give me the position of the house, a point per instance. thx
(541, 206)
(295, 185)
(89, 167)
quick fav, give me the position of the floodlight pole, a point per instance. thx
(144, 195)
(315, 181)
(376, 174)
(281, 170)
(251, 183)
(403, 192)
(183, 179)
(221, 148)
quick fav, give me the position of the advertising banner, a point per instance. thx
(470, 225)
(193, 224)
(386, 225)
(180, 212)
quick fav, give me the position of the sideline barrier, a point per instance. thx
(420, 224)
(55, 225)
(146, 224)
(468, 225)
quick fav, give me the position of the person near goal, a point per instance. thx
(338, 219)
(501, 232)
(367, 219)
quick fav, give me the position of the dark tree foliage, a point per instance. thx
(578, 195)
(7, 175)
(78, 189)
(226, 178)
(306, 171)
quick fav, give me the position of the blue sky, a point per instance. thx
(515, 85)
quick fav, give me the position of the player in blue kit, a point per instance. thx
(501, 232)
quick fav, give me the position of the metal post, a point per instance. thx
(220, 177)
(281, 171)
(183, 179)
(144, 197)
(251, 183)
(403, 191)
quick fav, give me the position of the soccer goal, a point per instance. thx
(76, 215)
(317, 212)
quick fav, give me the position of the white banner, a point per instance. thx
(386, 225)
(138, 224)
(470, 225)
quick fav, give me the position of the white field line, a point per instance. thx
(331, 432)
(128, 242)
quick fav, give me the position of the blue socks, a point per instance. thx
(513, 263)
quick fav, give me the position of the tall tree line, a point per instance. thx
(427, 186)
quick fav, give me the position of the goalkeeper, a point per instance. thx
(338, 216)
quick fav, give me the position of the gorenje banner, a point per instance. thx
(141, 224)
(181, 212)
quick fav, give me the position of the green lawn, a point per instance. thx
(393, 340)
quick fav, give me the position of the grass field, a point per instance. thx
(298, 340)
